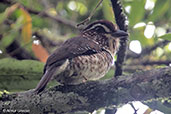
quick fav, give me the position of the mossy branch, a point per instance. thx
(140, 86)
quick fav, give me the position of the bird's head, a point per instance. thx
(105, 33)
(104, 27)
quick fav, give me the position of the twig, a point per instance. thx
(59, 19)
(91, 14)
(135, 110)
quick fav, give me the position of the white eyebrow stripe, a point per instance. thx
(106, 28)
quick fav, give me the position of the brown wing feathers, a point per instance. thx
(71, 48)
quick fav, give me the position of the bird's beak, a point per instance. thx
(119, 34)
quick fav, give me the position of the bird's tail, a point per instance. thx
(44, 80)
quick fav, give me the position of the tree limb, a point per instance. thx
(120, 18)
(160, 62)
(140, 86)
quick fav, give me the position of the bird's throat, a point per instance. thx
(111, 47)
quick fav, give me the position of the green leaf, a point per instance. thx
(9, 36)
(166, 36)
(19, 75)
(7, 39)
(137, 11)
(4, 15)
(33, 4)
(107, 8)
(26, 30)
(161, 7)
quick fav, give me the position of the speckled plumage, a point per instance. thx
(87, 67)
(86, 57)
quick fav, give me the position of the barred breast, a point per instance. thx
(86, 67)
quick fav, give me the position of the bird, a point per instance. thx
(88, 56)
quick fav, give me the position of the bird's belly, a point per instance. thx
(88, 67)
(93, 67)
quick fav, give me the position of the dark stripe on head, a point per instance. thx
(107, 25)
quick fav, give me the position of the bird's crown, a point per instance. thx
(101, 26)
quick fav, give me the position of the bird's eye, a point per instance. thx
(100, 29)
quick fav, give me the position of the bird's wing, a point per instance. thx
(72, 48)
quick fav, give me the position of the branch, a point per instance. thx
(162, 62)
(163, 105)
(140, 86)
(18, 52)
(135, 110)
(147, 50)
(46, 42)
(120, 18)
(58, 19)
